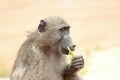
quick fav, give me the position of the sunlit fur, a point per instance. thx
(40, 56)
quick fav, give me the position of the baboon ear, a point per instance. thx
(41, 27)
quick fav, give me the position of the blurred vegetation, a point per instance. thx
(98, 47)
(3, 71)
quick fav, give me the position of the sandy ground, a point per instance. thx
(93, 22)
(4, 78)
(105, 65)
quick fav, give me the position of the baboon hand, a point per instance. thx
(77, 62)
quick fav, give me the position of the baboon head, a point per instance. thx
(56, 34)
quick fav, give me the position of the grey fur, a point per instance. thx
(42, 55)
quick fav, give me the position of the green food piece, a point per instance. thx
(70, 53)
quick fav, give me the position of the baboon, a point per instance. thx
(43, 55)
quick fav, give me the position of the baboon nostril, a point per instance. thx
(74, 45)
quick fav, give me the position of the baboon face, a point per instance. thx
(66, 40)
(57, 33)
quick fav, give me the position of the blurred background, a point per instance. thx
(95, 30)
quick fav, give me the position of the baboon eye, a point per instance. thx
(64, 29)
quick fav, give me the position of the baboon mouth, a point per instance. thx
(65, 51)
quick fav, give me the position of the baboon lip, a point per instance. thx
(72, 49)
(64, 51)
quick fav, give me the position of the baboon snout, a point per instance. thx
(73, 47)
